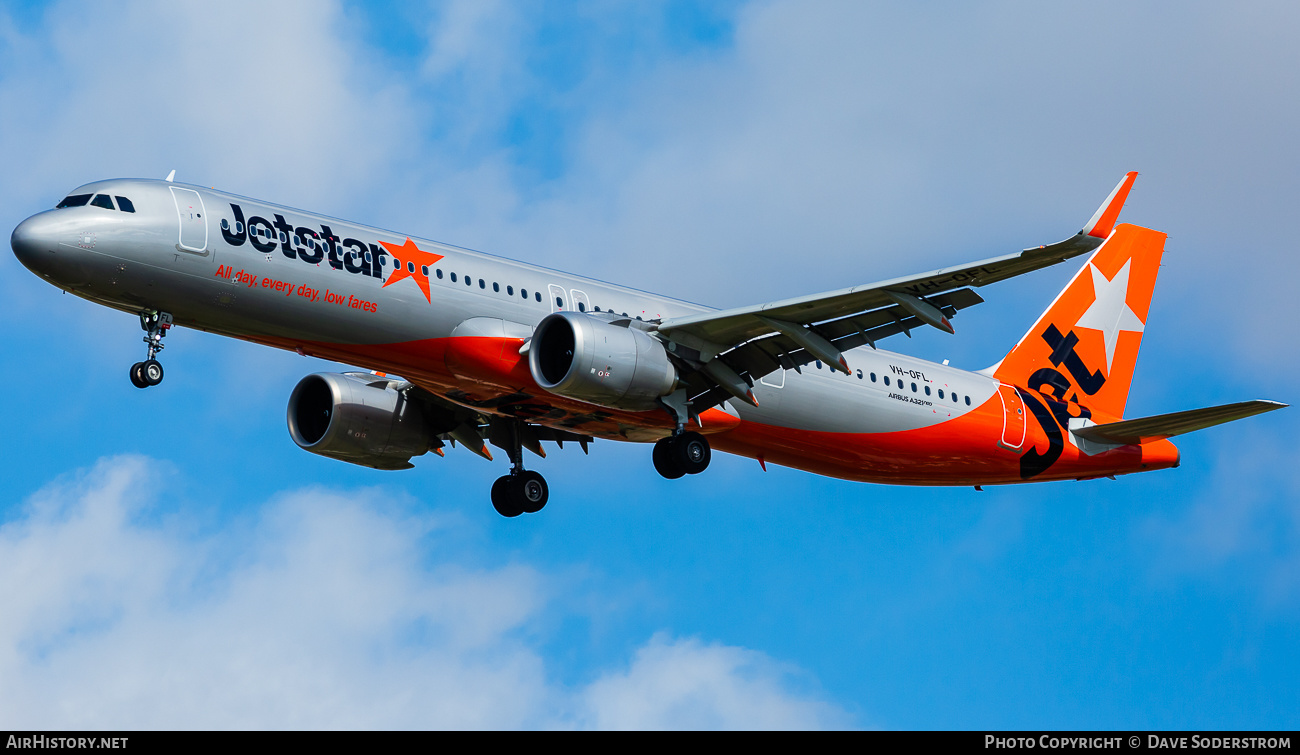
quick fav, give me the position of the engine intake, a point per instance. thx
(580, 357)
(350, 417)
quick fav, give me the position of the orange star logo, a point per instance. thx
(409, 261)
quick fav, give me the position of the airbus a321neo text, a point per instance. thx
(492, 351)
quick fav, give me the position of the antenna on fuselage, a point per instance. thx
(170, 176)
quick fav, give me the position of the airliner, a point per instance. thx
(458, 348)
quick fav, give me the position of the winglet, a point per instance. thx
(171, 176)
(1103, 220)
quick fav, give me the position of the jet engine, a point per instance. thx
(357, 418)
(581, 357)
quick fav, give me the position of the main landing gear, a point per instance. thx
(682, 454)
(522, 491)
(150, 371)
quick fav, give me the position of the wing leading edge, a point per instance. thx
(730, 349)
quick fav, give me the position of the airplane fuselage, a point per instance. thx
(452, 321)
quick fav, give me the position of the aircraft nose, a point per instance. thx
(31, 239)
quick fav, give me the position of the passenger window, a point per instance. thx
(873, 377)
(103, 200)
(859, 374)
(886, 380)
(439, 273)
(538, 295)
(453, 277)
(927, 390)
(239, 227)
(523, 292)
(481, 284)
(819, 364)
(913, 387)
(283, 238)
(940, 393)
(581, 307)
(76, 200)
(496, 288)
(559, 302)
(954, 398)
(124, 204)
(968, 401)
(469, 281)
(510, 290)
(225, 224)
(425, 270)
(410, 267)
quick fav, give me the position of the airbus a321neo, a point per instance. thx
(492, 351)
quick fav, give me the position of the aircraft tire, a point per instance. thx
(692, 452)
(504, 499)
(665, 459)
(151, 371)
(531, 492)
(137, 379)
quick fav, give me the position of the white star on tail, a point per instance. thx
(1110, 312)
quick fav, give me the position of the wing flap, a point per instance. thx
(1164, 426)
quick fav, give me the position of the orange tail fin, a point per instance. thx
(1085, 346)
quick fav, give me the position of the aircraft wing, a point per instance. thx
(475, 430)
(1168, 425)
(738, 345)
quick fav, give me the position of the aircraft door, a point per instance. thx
(579, 301)
(1013, 418)
(557, 298)
(193, 224)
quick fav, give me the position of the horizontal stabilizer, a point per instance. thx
(1168, 425)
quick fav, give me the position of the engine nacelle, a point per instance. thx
(580, 357)
(345, 417)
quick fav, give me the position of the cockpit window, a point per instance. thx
(103, 200)
(75, 200)
(124, 204)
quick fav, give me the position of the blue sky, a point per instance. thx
(168, 558)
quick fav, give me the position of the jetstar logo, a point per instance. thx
(411, 262)
(1052, 403)
(316, 245)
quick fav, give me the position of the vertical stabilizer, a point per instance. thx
(1084, 347)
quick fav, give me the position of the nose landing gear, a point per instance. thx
(150, 371)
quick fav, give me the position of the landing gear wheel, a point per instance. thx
(137, 378)
(151, 371)
(665, 459)
(532, 491)
(504, 498)
(520, 493)
(692, 452)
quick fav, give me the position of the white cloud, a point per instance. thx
(332, 609)
(693, 685)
